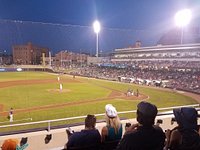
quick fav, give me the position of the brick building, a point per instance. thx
(66, 58)
(29, 54)
(6, 59)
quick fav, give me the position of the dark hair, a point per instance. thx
(145, 120)
(90, 121)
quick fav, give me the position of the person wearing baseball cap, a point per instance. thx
(144, 135)
(113, 129)
(146, 113)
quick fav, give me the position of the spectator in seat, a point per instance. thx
(185, 136)
(113, 130)
(89, 136)
(144, 135)
(12, 144)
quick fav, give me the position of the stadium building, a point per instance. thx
(29, 54)
(184, 52)
(65, 59)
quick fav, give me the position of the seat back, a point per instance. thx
(88, 147)
(109, 145)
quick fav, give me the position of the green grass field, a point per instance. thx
(82, 97)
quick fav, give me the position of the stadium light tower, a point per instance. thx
(97, 28)
(182, 19)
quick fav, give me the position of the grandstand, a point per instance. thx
(184, 52)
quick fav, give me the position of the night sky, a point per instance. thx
(67, 24)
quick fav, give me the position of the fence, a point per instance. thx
(48, 122)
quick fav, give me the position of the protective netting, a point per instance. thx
(70, 37)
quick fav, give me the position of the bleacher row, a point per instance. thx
(174, 75)
(36, 140)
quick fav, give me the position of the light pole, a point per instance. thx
(49, 58)
(182, 19)
(97, 28)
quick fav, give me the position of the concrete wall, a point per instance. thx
(59, 136)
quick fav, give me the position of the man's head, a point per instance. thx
(146, 113)
(90, 121)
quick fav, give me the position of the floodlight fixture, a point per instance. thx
(183, 17)
(97, 28)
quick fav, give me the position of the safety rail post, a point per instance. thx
(49, 126)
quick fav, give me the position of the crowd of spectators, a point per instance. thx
(179, 75)
(144, 135)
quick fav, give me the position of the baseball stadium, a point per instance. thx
(41, 104)
(46, 96)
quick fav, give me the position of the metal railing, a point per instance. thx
(81, 117)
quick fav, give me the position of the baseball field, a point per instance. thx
(39, 96)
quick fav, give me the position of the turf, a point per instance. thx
(83, 96)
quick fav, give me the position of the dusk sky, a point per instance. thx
(67, 24)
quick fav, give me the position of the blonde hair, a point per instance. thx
(113, 122)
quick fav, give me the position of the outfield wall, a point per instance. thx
(18, 69)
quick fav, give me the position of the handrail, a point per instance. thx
(81, 117)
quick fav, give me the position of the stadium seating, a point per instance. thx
(59, 136)
(88, 147)
(110, 145)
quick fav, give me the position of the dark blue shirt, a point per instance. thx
(84, 138)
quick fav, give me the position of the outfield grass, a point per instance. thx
(35, 95)
(13, 76)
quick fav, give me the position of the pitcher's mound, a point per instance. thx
(58, 90)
